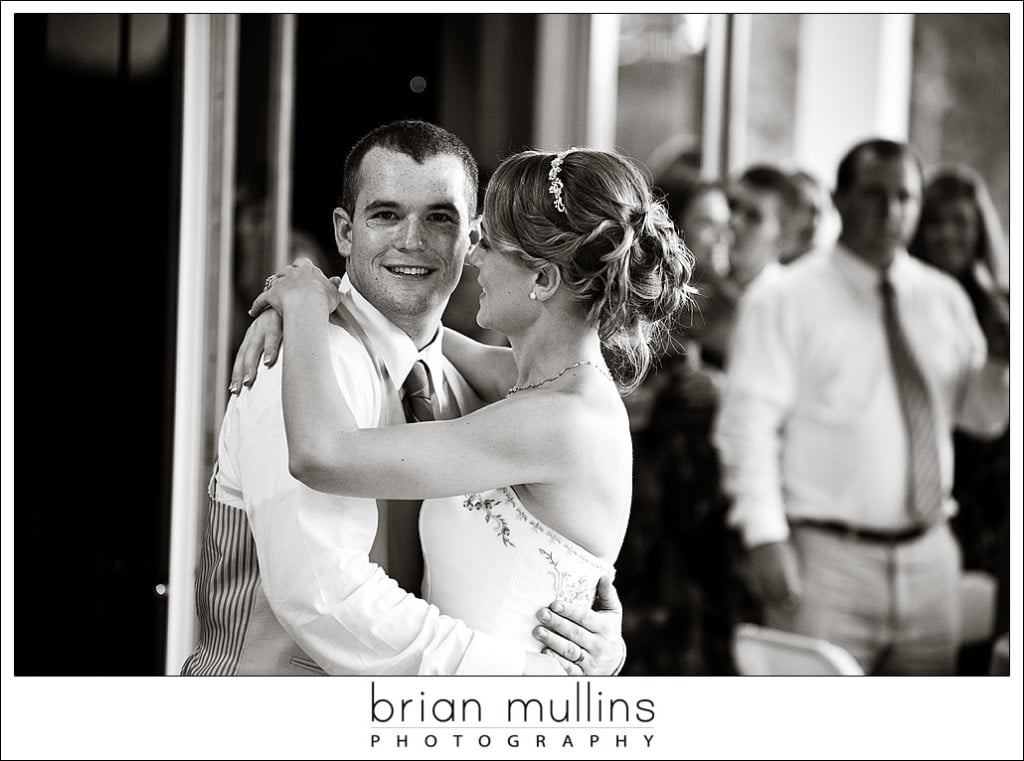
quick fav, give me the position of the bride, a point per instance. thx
(526, 499)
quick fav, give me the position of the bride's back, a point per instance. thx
(589, 502)
(526, 545)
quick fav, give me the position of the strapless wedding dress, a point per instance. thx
(489, 562)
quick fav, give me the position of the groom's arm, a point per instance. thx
(350, 617)
(490, 370)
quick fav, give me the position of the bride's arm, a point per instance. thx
(529, 438)
(490, 370)
(511, 442)
(524, 439)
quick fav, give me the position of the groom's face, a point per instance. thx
(409, 232)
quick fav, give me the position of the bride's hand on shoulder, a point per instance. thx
(585, 640)
(300, 283)
(263, 338)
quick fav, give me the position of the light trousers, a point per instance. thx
(894, 607)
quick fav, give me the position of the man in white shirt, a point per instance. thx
(291, 580)
(821, 447)
(761, 204)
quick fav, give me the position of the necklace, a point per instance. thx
(517, 389)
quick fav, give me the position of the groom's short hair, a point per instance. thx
(417, 139)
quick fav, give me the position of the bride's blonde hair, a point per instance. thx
(618, 251)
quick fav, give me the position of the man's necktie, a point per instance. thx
(924, 482)
(418, 397)
(405, 557)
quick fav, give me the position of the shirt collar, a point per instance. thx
(392, 344)
(866, 277)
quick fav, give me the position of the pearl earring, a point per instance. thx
(533, 296)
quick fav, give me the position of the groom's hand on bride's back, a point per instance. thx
(585, 640)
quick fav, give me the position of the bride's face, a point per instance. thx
(505, 286)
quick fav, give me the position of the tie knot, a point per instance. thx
(418, 379)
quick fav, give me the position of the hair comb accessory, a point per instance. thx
(555, 188)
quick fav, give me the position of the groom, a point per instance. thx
(286, 584)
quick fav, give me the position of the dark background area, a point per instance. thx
(97, 218)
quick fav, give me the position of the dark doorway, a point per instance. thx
(97, 117)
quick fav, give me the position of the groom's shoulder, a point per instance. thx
(354, 363)
(347, 345)
(350, 357)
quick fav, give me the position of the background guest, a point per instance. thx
(960, 234)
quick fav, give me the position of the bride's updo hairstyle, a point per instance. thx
(592, 214)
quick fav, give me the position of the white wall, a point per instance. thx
(853, 83)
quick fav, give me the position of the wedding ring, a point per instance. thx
(269, 282)
(579, 661)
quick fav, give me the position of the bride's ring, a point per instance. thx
(269, 282)
(579, 661)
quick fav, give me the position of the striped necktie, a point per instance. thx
(925, 489)
(401, 516)
(418, 399)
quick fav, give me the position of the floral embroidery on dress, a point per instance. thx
(569, 586)
(557, 576)
(476, 502)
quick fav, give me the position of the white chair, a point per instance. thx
(760, 651)
(977, 607)
(1000, 663)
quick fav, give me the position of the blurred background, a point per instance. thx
(176, 160)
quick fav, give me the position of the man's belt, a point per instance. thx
(876, 536)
